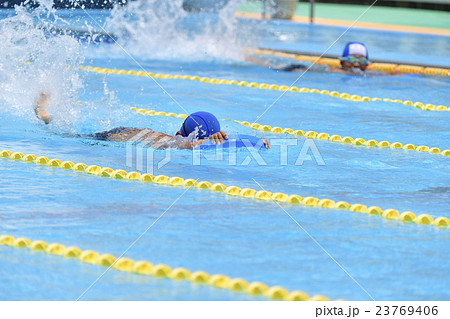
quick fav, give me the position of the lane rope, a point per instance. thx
(315, 135)
(160, 270)
(407, 216)
(265, 86)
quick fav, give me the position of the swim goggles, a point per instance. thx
(352, 59)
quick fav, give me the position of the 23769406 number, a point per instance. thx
(406, 310)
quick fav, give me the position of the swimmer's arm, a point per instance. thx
(41, 108)
(181, 143)
(220, 137)
(165, 142)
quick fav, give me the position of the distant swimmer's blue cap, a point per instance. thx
(206, 123)
(352, 48)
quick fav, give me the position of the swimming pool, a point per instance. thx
(210, 231)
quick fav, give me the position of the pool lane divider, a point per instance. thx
(315, 135)
(265, 86)
(160, 270)
(376, 66)
(393, 214)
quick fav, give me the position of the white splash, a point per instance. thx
(32, 61)
(158, 29)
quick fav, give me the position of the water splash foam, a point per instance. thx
(33, 61)
(163, 30)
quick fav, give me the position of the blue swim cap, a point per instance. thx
(206, 123)
(352, 48)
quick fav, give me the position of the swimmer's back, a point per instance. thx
(117, 134)
(131, 134)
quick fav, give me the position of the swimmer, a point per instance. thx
(355, 57)
(203, 125)
(354, 60)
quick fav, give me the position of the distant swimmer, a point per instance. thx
(354, 60)
(355, 57)
(197, 128)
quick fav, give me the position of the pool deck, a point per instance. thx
(376, 18)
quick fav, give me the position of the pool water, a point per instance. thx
(203, 230)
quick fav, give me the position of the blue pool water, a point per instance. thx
(210, 231)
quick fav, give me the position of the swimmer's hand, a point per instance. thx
(41, 108)
(218, 138)
(266, 144)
